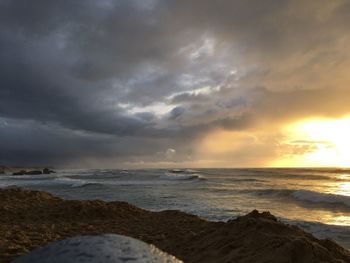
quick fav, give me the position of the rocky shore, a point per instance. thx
(24, 170)
(31, 219)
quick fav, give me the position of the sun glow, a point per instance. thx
(316, 142)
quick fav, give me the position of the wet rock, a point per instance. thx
(48, 171)
(34, 172)
(22, 172)
(93, 249)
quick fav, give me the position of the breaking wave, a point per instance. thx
(307, 196)
(181, 176)
(72, 182)
(316, 197)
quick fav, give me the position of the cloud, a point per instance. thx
(86, 75)
(170, 153)
(176, 112)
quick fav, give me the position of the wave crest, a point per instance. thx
(317, 197)
(307, 196)
(181, 176)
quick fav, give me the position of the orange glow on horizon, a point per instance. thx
(326, 142)
(312, 142)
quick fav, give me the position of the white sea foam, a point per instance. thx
(162, 181)
(71, 182)
(180, 176)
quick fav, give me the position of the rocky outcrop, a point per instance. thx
(21, 172)
(260, 237)
(34, 172)
(48, 171)
(31, 219)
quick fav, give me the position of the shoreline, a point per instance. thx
(31, 219)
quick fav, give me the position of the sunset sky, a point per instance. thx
(165, 83)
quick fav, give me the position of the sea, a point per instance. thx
(317, 200)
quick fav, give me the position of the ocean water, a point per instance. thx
(318, 200)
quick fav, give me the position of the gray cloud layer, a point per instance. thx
(125, 81)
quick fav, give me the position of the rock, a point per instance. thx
(256, 215)
(108, 248)
(48, 171)
(34, 172)
(22, 172)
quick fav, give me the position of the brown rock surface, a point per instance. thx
(31, 219)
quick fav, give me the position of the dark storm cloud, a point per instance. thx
(176, 112)
(32, 143)
(38, 74)
(92, 74)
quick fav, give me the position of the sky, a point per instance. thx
(165, 83)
